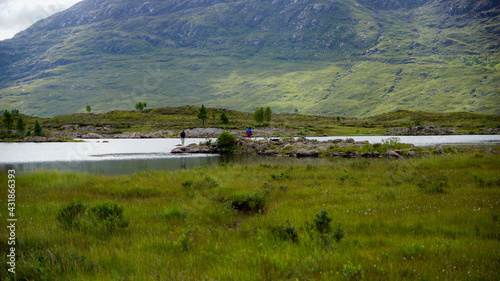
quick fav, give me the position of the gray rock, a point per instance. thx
(91, 136)
(181, 149)
(391, 153)
(439, 149)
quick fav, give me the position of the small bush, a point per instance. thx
(71, 214)
(322, 222)
(108, 214)
(286, 232)
(338, 233)
(351, 272)
(226, 141)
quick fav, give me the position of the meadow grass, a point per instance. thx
(429, 218)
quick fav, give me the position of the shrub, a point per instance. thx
(322, 222)
(351, 272)
(226, 141)
(286, 232)
(71, 214)
(338, 233)
(108, 214)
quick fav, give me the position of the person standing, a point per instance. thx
(249, 132)
(183, 137)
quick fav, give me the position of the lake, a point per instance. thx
(125, 156)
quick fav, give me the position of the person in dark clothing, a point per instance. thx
(183, 137)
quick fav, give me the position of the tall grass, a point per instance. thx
(185, 225)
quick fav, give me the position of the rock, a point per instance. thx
(412, 153)
(270, 152)
(367, 155)
(350, 140)
(376, 154)
(34, 139)
(307, 153)
(439, 149)
(91, 136)
(70, 127)
(181, 149)
(391, 153)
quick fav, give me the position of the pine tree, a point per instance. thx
(38, 129)
(203, 114)
(8, 121)
(20, 126)
(267, 114)
(88, 108)
(223, 118)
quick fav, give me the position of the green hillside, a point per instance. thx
(345, 57)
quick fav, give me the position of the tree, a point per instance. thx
(258, 115)
(8, 121)
(203, 114)
(20, 126)
(88, 108)
(226, 141)
(140, 106)
(38, 129)
(223, 118)
(267, 114)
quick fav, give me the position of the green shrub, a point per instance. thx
(338, 233)
(322, 222)
(71, 214)
(351, 272)
(286, 232)
(108, 214)
(226, 141)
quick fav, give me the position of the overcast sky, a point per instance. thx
(17, 15)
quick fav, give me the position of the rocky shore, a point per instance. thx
(303, 147)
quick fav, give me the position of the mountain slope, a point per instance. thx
(341, 57)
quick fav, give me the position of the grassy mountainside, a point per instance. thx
(348, 58)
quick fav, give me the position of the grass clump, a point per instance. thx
(70, 215)
(248, 203)
(433, 184)
(176, 213)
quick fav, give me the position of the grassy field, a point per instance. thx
(420, 219)
(185, 117)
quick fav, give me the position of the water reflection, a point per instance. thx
(116, 167)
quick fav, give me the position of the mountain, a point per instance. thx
(331, 57)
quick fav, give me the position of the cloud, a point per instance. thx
(17, 15)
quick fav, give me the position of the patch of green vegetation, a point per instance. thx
(384, 221)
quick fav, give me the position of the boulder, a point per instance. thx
(439, 149)
(391, 153)
(34, 139)
(180, 149)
